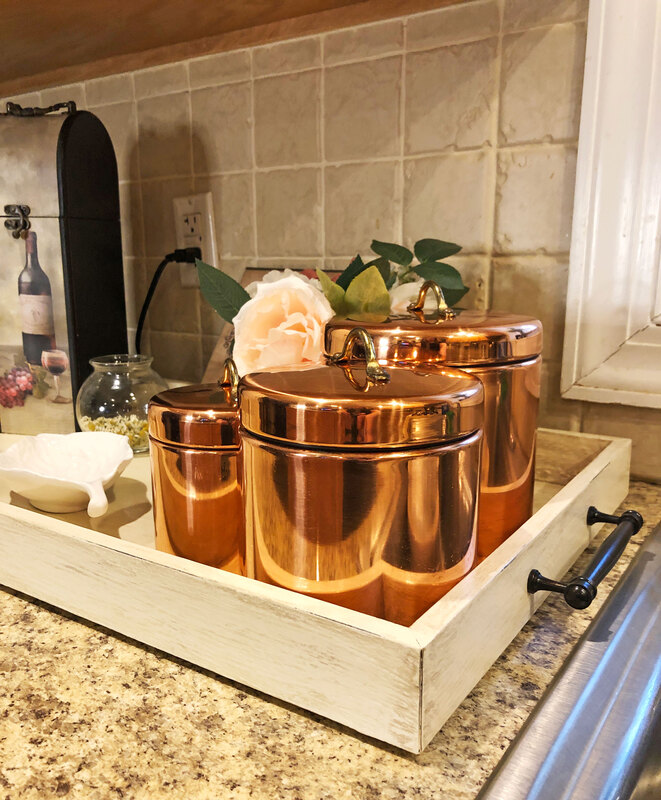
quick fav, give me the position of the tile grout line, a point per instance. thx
(402, 130)
(146, 333)
(393, 159)
(495, 147)
(322, 141)
(198, 293)
(253, 147)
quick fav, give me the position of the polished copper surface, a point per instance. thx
(386, 533)
(338, 405)
(470, 338)
(204, 415)
(197, 472)
(198, 504)
(511, 401)
(502, 350)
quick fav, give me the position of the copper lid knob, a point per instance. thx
(455, 337)
(203, 415)
(352, 403)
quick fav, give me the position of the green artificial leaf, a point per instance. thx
(445, 275)
(393, 252)
(334, 293)
(383, 265)
(433, 249)
(453, 296)
(367, 298)
(354, 269)
(223, 293)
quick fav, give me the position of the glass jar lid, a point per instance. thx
(358, 404)
(458, 338)
(202, 415)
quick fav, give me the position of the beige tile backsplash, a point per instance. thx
(279, 100)
(534, 199)
(355, 44)
(289, 219)
(222, 135)
(451, 95)
(360, 205)
(290, 56)
(460, 123)
(529, 57)
(451, 192)
(362, 110)
(164, 135)
(233, 212)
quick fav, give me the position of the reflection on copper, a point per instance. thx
(383, 532)
(503, 351)
(471, 338)
(511, 401)
(197, 473)
(337, 405)
(198, 504)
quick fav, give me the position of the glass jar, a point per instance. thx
(115, 397)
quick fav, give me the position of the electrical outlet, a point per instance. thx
(194, 227)
(193, 224)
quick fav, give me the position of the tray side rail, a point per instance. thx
(230, 625)
(468, 629)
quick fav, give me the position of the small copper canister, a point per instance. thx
(362, 483)
(503, 351)
(196, 460)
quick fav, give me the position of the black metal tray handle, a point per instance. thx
(581, 591)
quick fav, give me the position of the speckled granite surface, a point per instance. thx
(88, 714)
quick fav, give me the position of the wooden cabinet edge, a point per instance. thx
(358, 13)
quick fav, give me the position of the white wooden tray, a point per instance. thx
(396, 684)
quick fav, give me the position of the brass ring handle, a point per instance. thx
(230, 379)
(374, 371)
(443, 308)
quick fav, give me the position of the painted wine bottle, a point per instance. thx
(36, 302)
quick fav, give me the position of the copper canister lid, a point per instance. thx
(203, 415)
(344, 405)
(460, 338)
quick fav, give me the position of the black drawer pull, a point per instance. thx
(581, 591)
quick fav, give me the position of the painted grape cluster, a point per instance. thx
(15, 384)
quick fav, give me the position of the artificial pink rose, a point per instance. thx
(281, 325)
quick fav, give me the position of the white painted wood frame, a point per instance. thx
(396, 684)
(612, 349)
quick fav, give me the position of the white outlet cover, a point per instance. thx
(205, 239)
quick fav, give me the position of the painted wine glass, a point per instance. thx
(56, 362)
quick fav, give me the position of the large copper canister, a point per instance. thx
(362, 483)
(196, 460)
(501, 349)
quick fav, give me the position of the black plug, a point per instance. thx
(184, 255)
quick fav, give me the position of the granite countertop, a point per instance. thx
(86, 713)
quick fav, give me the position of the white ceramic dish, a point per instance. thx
(66, 472)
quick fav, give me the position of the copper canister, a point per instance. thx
(362, 483)
(196, 459)
(503, 351)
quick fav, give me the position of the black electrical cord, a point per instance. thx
(187, 255)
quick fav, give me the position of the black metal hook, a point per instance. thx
(18, 219)
(582, 590)
(17, 110)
